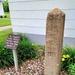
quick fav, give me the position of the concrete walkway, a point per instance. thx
(5, 28)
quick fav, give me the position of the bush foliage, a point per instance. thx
(6, 56)
(71, 69)
(6, 6)
(26, 50)
(68, 59)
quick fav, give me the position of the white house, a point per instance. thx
(1, 8)
(29, 16)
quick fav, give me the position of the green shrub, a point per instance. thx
(71, 69)
(5, 16)
(26, 50)
(68, 57)
(1, 16)
(6, 57)
(6, 6)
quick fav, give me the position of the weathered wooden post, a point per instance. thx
(54, 41)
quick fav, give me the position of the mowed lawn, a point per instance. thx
(5, 21)
(4, 34)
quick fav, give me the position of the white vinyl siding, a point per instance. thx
(29, 16)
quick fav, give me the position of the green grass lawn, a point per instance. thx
(4, 34)
(5, 21)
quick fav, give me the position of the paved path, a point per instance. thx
(5, 28)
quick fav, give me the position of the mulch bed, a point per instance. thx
(29, 67)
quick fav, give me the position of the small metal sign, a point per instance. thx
(12, 41)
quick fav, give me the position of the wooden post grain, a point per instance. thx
(54, 41)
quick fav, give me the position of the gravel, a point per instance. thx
(29, 67)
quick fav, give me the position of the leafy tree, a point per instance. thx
(6, 6)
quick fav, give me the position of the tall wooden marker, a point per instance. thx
(54, 41)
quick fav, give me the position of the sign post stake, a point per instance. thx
(12, 43)
(15, 59)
